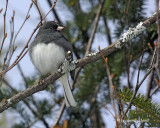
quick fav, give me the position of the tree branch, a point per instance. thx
(4, 29)
(136, 88)
(107, 30)
(24, 51)
(90, 58)
(39, 11)
(95, 26)
(35, 113)
(90, 41)
(111, 85)
(59, 114)
(54, 12)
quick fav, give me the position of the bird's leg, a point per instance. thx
(69, 56)
(68, 65)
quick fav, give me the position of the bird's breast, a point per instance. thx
(47, 57)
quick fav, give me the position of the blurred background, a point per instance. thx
(92, 85)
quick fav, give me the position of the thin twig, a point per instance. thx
(1, 10)
(153, 61)
(117, 12)
(127, 13)
(4, 31)
(54, 12)
(107, 30)
(78, 63)
(128, 65)
(119, 101)
(93, 105)
(54, 4)
(27, 104)
(139, 69)
(153, 57)
(4, 37)
(32, 123)
(22, 74)
(154, 90)
(158, 27)
(12, 43)
(136, 88)
(94, 27)
(5, 17)
(158, 47)
(150, 79)
(111, 86)
(26, 18)
(22, 53)
(35, 113)
(39, 11)
(60, 114)
(10, 49)
(117, 124)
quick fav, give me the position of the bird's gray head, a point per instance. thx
(51, 25)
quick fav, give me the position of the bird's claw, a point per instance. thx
(68, 65)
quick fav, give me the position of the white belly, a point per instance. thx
(47, 57)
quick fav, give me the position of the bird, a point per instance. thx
(47, 53)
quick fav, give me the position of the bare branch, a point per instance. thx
(158, 47)
(28, 105)
(10, 49)
(4, 37)
(5, 34)
(154, 90)
(24, 51)
(94, 27)
(12, 46)
(107, 30)
(136, 88)
(5, 17)
(90, 58)
(117, 124)
(60, 114)
(1, 10)
(39, 11)
(149, 84)
(26, 18)
(111, 85)
(157, 17)
(54, 12)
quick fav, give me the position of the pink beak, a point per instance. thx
(60, 28)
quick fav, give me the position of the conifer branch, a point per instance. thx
(145, 109)
(90, 58)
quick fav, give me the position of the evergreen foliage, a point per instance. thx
(145, 110)
(92, 86)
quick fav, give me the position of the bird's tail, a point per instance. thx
(70, 101)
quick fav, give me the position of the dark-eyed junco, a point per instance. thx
(47, 53)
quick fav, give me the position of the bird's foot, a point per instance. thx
(67, 65)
